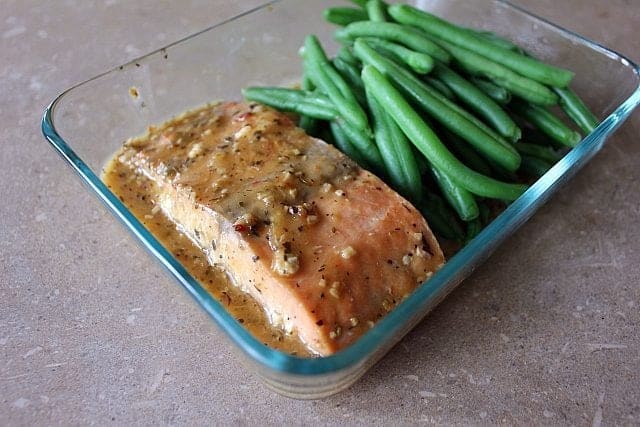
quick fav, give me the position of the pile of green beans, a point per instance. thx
(449, 116)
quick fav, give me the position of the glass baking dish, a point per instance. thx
(88, 123)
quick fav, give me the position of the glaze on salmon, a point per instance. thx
(325, 247)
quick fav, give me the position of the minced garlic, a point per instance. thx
(347, 252)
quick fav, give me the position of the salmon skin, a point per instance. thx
(325, 247)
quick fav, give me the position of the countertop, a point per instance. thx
(92, 331)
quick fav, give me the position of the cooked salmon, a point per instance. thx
(325, 247)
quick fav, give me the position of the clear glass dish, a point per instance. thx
(88, 123)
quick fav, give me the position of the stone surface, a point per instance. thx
(92, 331)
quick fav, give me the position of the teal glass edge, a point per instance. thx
(445, 280)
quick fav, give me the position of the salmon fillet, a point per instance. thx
(325, 247)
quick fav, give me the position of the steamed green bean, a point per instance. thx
(429, 144)
(523, 65)
(410, 37)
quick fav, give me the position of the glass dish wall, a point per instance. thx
(89, 122)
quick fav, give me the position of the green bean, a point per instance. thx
(466, 153)
(459, 199)
(443, 110)
(377, 11)
(361, 3)
(526, 66)
(493, 91)
(363, 142)
(343, 143)
(440, 218)
(474, 227)
(309, 124)
(501, 173)
(350, 72)
(423, 164)
(478, 65)
(534, 166)
(297, 101)
(479, 102)
(442, 98)
(396, 152)
(419, 62)
(496, 40)
(576, 109)
(313, 54)
(346, 55)
(352, 75)
(408, 161)
(330, 82)
(452, 141)
(306, 83)
(485, 212)
(473, 119)
(428, 143)
(410, 37)
(344, 15)
(535, 136)
(549, 124)
(539, 151)
(440, 87)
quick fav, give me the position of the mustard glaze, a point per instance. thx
(137, 192)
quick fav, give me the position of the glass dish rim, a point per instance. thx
(394, 322)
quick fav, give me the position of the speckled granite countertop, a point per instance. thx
(546, 332)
